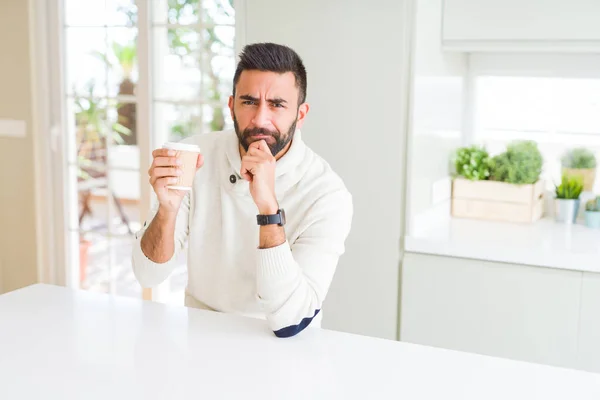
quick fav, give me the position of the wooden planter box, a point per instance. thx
(588, 176)
(497, 201)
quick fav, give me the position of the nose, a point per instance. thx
(262, 117)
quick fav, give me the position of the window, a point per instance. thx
(559, 109)
(193, 64)
(189, 46)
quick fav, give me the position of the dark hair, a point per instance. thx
(275, 58)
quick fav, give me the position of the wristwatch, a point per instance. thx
(272, 219)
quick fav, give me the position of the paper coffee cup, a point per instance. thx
(188, 154)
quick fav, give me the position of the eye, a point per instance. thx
(248, 102)
(278, 105)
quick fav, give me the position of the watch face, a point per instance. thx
(282, 216)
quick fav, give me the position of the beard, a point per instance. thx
(245, 136)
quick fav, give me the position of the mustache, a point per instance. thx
(260, 131)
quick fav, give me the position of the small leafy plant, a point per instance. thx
(580, 158)
(570, 188)
(521, 163)
(593, 205)
(473, 163)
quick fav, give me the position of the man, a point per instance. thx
(266, 219)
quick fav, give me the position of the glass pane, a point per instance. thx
(218, 12)
(122, 61)
(578, 105)
(515, 103)
(218, 81)
(121, 13)
(92, 182)
(108, 229)
(177, 63)
(86, 72)
(104, 178)
(89, 135)
(219, 64)
(105, 265)
(219, 40)
(174, 122)
(85, 13)
(121, 123)
(184, 12)
(216, 118)
(123, 199)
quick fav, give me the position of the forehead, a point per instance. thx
(263, 82)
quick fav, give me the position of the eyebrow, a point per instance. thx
(276, 100)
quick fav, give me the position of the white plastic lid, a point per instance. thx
(181, 147)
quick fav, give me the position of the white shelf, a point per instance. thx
(544, 243)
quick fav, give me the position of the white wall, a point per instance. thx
(18, 242)
(356, 61)
(437, 109)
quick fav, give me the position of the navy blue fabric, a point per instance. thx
(292, 330)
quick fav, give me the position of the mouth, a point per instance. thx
(260, 137)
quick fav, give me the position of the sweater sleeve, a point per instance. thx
(293, 280)
(147, 272)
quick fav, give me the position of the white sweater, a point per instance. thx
(226, 271)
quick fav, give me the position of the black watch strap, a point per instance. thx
(273, 219)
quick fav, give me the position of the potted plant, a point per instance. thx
(84, 246)
(520, 164)
(91, 134)
(472, 163)
(123, 57)
(504, 188)
(567, 199)
(580, 162)
(592, 213)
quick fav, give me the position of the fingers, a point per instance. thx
(246, 176)
(163, 153)
(160, 172)
(254, 151)
(248, 170)
(163, 172)
(252, 159)
(260, 149)
(161, 183)
(200, 161)
(251, 165)
(260, 145)
(161, 161)
(264, 147)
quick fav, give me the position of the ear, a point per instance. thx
(302, 111)
(231, 106)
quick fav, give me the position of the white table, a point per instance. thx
(56, 343)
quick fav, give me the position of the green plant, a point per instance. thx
(570, 187)
(593, 205)
(580, 158)
(126, 55)
(521, 163)
(472, 163)
(184, 45)
(123, 56)
(91, 119)
(92, 131)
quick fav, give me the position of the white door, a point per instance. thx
(128, 76)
